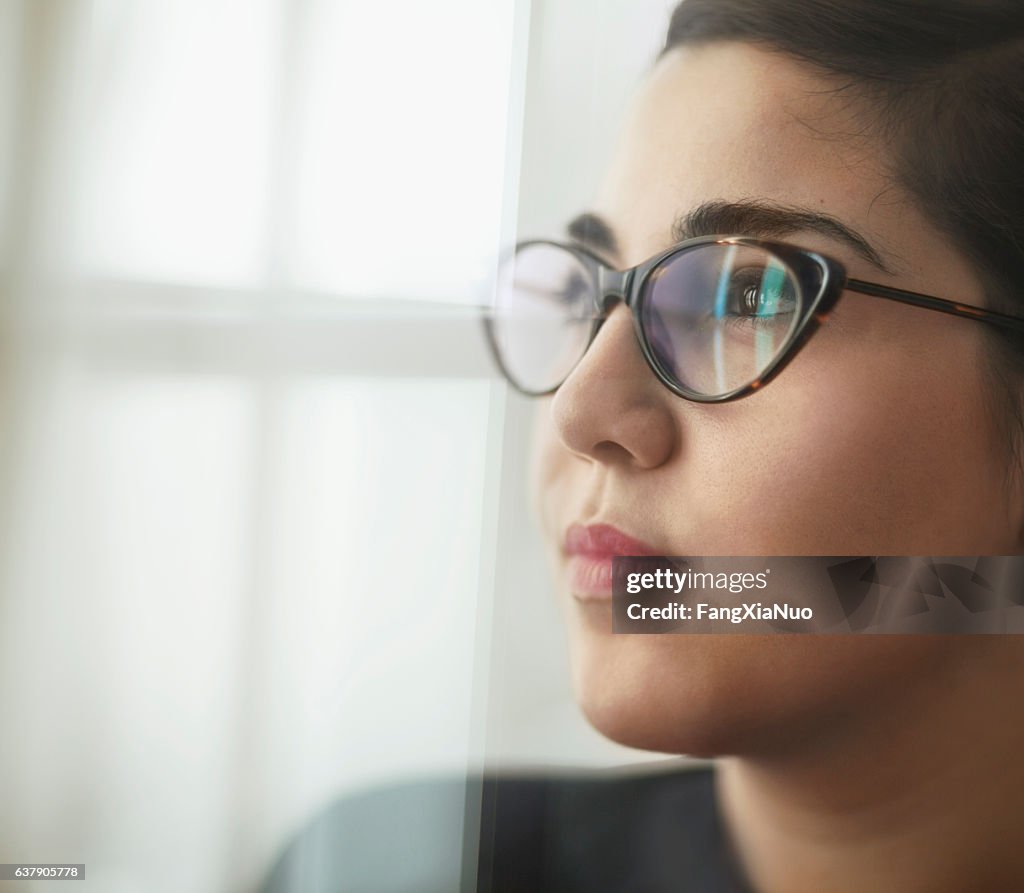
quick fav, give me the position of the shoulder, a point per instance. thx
(500, 832)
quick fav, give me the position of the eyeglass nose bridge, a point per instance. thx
(613, 287)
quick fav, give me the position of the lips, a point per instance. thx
(589, 550)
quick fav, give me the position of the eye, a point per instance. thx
(751, 300)
(760, 293)
(546, 279)
(573, 295)
(574, 289)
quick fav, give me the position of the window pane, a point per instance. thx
(229, 141)
(402, 146)
(175, 154)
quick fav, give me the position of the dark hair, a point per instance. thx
(943, 84)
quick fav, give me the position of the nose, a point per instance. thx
(612, 408)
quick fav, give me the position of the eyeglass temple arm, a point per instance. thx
(943, 306)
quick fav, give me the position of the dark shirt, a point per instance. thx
(505, 833)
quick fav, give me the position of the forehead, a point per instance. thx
(729, 121)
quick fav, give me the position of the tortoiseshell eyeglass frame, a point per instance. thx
(822, 282)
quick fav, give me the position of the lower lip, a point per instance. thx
(590, 577)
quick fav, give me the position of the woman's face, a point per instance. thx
(877, 439)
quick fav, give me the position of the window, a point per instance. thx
(256, 450)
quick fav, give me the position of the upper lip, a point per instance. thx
(602, 540)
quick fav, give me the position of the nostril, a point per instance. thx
(608, 452)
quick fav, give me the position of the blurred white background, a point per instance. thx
(262, 498)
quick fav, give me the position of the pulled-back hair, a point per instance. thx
(942, 84)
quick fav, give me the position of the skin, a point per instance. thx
(845, 758)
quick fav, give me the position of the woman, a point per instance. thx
(890, 137)
(878, 140)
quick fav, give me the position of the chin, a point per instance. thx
(749, 696)
(633, 695)
(624, 724)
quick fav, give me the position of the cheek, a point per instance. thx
(855, 455)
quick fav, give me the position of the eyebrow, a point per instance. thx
(593, 232)
(747, 217)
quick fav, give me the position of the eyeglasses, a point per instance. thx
(717, 317)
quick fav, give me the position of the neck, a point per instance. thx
(924, 796)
